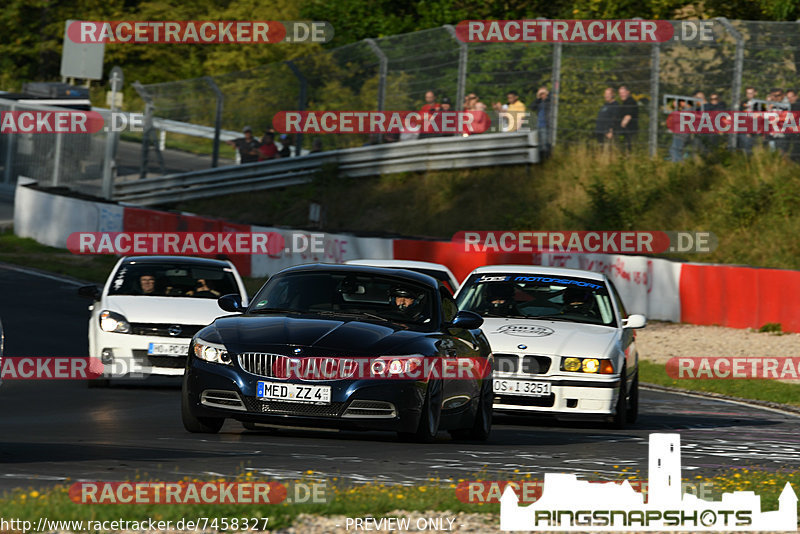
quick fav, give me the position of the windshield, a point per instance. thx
(531, 296)
(173, 279)
(347, 294)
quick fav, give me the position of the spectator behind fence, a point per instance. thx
(542, 107)
(700, 142)
(431, 107)
(445, 105)
(746, 141)
(286, 146)
(607, 118)
(268, 149)
(794, 138)
(247, 146)
(430, 103)
(677, 150)
(715, 103)
(482, 122)
(629, 116)
(316, 145)
(516, 110)
(777, 140)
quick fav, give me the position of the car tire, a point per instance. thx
(621, 411)
(482, 425)
(198, 425)
(633, 401)
(429, 418)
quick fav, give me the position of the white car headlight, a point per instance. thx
(114, 322)
(211, 352)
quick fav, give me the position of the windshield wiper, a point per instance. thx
(552, 318)
(354, 314)
(275, 310)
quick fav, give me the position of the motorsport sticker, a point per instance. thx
(524, 330)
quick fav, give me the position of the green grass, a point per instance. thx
(763, 390)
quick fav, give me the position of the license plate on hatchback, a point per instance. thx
(167, 349)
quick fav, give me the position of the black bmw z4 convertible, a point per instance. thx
(344, 347)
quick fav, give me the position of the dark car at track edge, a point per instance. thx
(345, 347)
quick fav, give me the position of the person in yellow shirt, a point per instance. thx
(515, 110)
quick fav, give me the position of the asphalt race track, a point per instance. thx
(54, 430)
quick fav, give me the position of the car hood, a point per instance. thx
(347, 337)
(174, 310)
(552, 338)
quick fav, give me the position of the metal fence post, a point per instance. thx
(116, 78)
(462, 66)
(148, 129)
(9, 163)
(655, 71)
(217, 119)
(57, 159)
(301, 102)
(553, 122)
(384, 67)
(738, 66)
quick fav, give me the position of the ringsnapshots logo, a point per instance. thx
(569, 504)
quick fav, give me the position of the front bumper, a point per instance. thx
(126, 355)
(215, 390)
(570, 398)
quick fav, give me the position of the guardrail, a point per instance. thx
(408, 156)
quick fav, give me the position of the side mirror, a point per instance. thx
(634, 321)
(230, 303)
(91, 292)
(467, 320)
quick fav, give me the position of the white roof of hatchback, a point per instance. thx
(537, 269)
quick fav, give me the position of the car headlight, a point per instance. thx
(588, 365)
(410, 365)
(211, 352)
(114, 322)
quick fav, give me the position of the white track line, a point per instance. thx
(729, 401)
(41, 274)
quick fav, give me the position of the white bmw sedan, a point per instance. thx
(562, 341)
(150, 307)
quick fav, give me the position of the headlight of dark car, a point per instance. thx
(114, 322)
(211, 352)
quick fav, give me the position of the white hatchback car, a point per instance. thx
(562, 341)
(150, 307)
